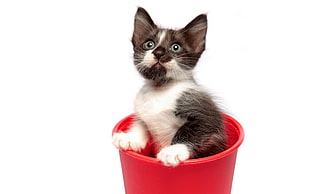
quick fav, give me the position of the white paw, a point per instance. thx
(174, 154)
(129, 141)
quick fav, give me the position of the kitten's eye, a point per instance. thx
(149, 45)
(176, 48)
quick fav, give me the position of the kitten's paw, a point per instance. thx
(127, 141)
(174, 154)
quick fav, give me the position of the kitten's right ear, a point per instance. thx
(195, 32)
(143, 25)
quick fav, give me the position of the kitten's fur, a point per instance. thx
(180, 116)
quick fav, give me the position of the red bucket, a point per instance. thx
(210, 175)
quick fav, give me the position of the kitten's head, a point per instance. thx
(162, 54)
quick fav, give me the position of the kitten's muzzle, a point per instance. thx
(158, 65)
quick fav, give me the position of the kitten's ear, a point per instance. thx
(195, 32)
(142, 26)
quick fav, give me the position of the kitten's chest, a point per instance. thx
(152, 102)
(155, 107)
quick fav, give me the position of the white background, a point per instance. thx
(67, 77)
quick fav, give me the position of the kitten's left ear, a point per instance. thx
(142, 26)
(195, 32)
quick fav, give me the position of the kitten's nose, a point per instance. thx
(159, 52)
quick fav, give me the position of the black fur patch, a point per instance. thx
(157, 73)
(203, 130)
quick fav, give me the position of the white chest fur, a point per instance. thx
(155, 107)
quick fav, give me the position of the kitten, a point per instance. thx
(180, 116)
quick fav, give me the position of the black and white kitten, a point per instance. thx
(180, 116)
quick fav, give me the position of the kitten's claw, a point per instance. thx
(126, 141)
(173, 155)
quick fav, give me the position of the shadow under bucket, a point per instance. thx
(209, 175)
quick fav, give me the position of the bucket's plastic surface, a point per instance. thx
(210, 175)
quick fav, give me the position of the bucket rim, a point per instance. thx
(227, 119)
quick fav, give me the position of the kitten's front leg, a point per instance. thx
(134, 139)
